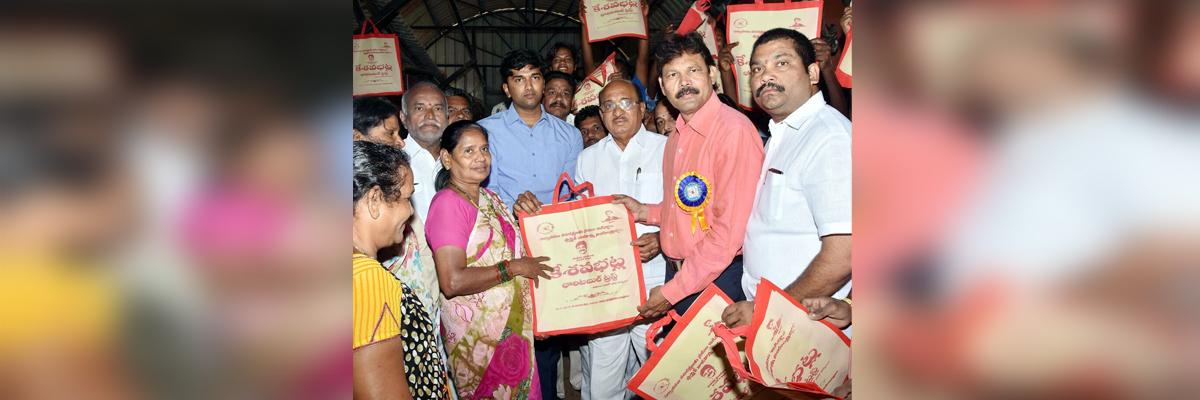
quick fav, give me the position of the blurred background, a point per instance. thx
(172, 214)
(174, 199)
(1027, 199)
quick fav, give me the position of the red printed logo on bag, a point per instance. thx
(720, 392)
(662, 386)
(773, 325)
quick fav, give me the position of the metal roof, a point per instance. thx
(460, 43)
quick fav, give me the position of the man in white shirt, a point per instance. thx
(798, 236)
(424, 113)
(627, 161)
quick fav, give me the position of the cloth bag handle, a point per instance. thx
(572, 188)
(728, 336)
(657, 326)
(374, 29)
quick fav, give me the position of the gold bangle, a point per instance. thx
(848, 301)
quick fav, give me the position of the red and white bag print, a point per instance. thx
(596, 284)
(746, 22)
(691, 362)
(588, 93)
(845, 64)
(610, 19)
(377, 68)
(788, 352)
(696, 20)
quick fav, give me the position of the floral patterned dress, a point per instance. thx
(489, 335)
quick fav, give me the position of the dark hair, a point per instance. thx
(450, 139)
(585, 113)
(516, 60)
(453, 91)
(552, 75)
(670, 108)
(561, 45)
(803, 46)
(675, 46)
(369, 112)
(376, 165)
(476, 108)
(625, 67)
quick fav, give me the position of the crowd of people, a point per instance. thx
(442, 306)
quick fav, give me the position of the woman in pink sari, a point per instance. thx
(487, 316)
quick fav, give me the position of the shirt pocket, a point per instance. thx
(779, 199)
(648, 185)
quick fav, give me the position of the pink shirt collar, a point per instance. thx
(705, 116)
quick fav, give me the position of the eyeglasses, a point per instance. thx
(624, 104)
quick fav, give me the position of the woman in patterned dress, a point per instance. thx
(395, 347)
(487, 316)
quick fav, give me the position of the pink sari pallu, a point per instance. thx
(489, 336)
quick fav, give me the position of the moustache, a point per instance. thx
(558, 104)
(768, 85)
(685, 91)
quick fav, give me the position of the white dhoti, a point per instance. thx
(610, 360)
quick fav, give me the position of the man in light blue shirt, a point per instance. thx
(530, 148)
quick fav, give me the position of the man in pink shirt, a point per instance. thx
(710, 169)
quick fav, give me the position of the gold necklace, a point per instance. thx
(464, 194)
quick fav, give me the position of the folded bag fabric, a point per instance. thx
(787, 351)
(691, 362)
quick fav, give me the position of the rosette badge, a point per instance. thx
(691, 193)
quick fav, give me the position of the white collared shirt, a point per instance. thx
(425, 168)
(804, 193)
(635, 172)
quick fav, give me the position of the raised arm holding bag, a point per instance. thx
(746, 22)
